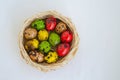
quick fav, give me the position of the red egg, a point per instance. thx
(50, 23)
(63, 49)
(66, 36)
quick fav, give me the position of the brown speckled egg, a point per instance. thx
(36, 56)
(60, 27)
(30, 33)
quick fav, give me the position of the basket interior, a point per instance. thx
(29, 21)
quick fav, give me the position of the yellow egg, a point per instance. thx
(32, 44)
(35, 43)
(51, 57)
(43, 35)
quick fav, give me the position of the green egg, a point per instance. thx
(44, 46)
(54, 39)
(38, 24)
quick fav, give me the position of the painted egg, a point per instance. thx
(60, 27)
(30, 33)
(66, 36)
(38, 24)
(51, 57)
(63, 49)
(54, 39)
(36, 56)
(44, 46)
(50, 23)
(31, 44)
(43, 35)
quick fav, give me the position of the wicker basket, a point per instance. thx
(59, 63)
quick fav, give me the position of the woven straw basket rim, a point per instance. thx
(67, 58)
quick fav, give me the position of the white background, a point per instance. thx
(97, 23)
